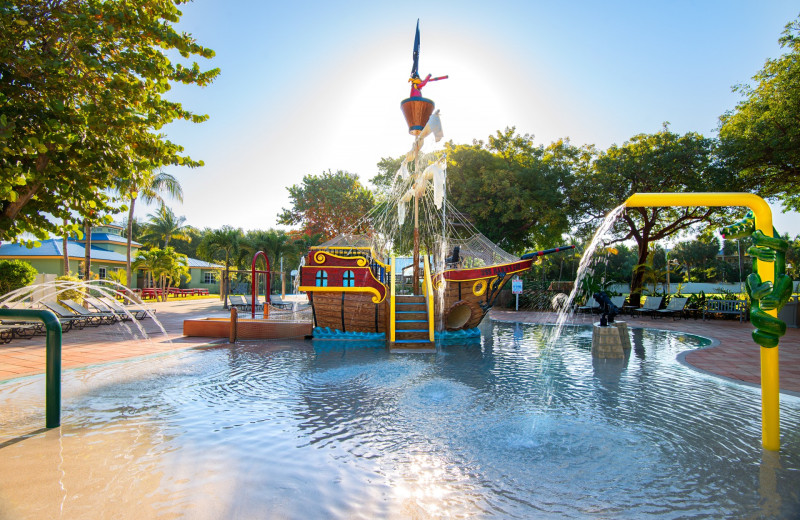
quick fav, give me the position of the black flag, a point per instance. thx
(415, 67)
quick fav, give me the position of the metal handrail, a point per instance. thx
(427, 287)
(52, 361)
(391, 304)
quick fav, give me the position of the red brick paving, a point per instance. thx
(736, 356)
(113, 342)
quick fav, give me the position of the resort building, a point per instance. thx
(108, 254)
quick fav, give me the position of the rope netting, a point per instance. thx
(422, 176)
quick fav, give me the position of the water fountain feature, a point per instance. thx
(33, 296)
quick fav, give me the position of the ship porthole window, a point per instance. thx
(322, 279)
(348, 279)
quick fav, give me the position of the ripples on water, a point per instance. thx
(506, 428)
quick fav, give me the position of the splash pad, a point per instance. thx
(280, 326)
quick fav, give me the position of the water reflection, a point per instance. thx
(509, 427)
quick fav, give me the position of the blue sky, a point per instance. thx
(307, 87)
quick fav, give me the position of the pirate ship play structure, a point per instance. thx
(354, 282)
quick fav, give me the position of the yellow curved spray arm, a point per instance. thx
(770, 385)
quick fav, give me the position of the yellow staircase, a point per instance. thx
(411, 317)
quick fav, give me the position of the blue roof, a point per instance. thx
(110, 237)
(52, 247)
(194, 262)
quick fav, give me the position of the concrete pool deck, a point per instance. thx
(735, 356)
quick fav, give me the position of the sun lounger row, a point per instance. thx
(242, 302)
(70, 314)
(594, 305)
(98, 312)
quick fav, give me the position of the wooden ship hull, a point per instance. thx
(349, 292)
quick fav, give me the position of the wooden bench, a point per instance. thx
(726, 307)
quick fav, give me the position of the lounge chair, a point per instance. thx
(675, 308)
(103, 307)
(95, 317)
(619, 302)
(139, 312)
(238, 302)
(6, 333)
(276, 301)
(593, 306)
(651, 305)
(68, 318)
(19, 329)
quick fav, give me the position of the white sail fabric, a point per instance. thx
(403, 171)
(438, 185)
(435, 126)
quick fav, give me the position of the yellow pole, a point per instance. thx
(391, 305)
(770, 384)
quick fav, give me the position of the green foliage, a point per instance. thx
(387, 170)
(165, 266)
(164, 225)
(660, 162)
(696, 301)
(330, 204)
(75, 294)
(83, 88)
(15, 274)
(275, 243)
(762, 135)
(221, 244)
(119, 276)
(511, 189)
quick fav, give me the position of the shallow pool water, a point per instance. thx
(504, 428)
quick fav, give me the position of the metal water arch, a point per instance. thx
(770, 387)
(253, 292)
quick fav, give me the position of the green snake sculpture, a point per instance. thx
(765, 296)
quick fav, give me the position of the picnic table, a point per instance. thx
(151, 293)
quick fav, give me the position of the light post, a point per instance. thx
(666, 257)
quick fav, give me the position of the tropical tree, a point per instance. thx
(223, 243)
(303, 242)
(696, 254)
(511, 189)
(330, 204)
(163, 267)
(163, 226)
(276, 244)
(147, 261)
(387, 170)
(146, 186)
(83, 87)
(762, 135)
(660, 162)
(87, 249)
(171, 269)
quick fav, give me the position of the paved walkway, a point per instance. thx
(735, 357)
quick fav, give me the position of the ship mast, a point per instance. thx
(417, 111)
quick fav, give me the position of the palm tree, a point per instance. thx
(165, 225)
(275, 243)
(164, 265)
(64, 246)
(87, 258)
(224, 242)
(146, 186)
(147, 261)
